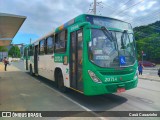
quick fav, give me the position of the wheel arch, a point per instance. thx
(31, 66)
(57, 69)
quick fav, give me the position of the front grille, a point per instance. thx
(116, 72)
(113, 88)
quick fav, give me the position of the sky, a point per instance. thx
(43, 16)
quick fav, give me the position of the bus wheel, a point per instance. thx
(31, 71)
(60, 81)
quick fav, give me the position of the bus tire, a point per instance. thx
(60, 82)
(31, 70)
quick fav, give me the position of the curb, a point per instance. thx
(152, 68)
(150, 79)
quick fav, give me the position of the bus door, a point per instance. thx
(76, 60)
(36, 59)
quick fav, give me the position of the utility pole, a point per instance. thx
(94, 8)
(94, 5)
(30, 40)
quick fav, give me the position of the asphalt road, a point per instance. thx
(153, 72)
(146, 97)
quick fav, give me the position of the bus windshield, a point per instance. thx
(116, 49)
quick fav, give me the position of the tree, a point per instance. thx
(14, 52)
(3, 49)
(148, 40)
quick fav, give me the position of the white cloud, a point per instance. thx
(142, 8)
(150, 4)
(133, 11)
(44, 15)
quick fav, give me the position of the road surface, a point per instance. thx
(26, 93)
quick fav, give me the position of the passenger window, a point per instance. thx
(31, 51)
(25, 52)
(60, 42)
(41, 47)
(50, 45)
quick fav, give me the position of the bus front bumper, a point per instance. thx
(104, 88)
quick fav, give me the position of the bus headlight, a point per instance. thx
(94, 77)
(136, 75)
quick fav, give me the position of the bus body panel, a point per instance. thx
(46, 66)
(111, 79)
(32, 63)
(65, 73)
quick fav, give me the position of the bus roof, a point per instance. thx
(44, 37)
(81, 18)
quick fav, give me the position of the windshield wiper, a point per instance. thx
(107, 33)
(123, 39)
(110, 36)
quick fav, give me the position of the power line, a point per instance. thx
(130, 7)
(107, 5)
(131, 20)
(144, 19)
(152, 18)
(102, 4)
(121, 6)
(154, 12)
(90, 9)
(93, 7)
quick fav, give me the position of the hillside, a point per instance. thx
(148, 40)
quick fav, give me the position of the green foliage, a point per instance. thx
(148, 40)
(14, 52)
(3, 49)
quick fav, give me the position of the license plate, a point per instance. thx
(119, 90)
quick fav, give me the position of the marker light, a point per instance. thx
(94, 77)
(61, 27)
(65, 60)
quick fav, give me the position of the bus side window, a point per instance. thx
(30, 51)
(45, 46)
(60, 42)
(50, 45)
(25, 52)
(41, 47)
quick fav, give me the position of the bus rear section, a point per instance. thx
(28, 58)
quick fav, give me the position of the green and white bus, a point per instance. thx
(89, 54)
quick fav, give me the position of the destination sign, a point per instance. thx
(109, 22)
